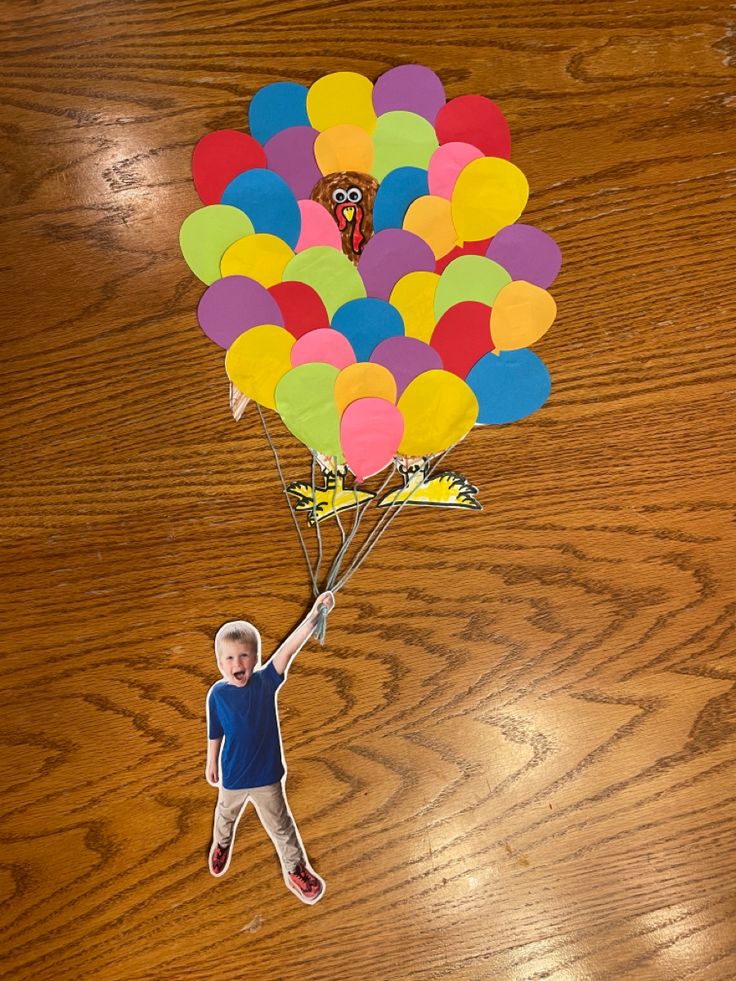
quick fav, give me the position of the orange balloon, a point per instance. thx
(344, 147)
(363, 380)
(522, 313)
(430, 217)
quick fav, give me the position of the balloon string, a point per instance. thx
(360, 509)
(315, 522)
(315, 590)
(381, 528)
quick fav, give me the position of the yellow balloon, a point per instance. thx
(438, 410)
(363, 380)
(489, 194)
(413, 297)
(521, 314)
(341, 97)
(344, 148)
(263, 257)
(430, 217)
(258, 359)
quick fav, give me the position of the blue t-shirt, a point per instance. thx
(246, 717)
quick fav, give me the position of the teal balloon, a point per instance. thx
(396, 192)
(275, 107)
(305, 400)
(268, 201)
(366, 322)
(509, 386)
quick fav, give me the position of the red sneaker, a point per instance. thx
(219, 859)
(305, 884)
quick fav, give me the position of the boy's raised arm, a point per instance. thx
(298, 638)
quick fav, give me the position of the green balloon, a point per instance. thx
(329, 273)
(470, 277)
(207, 233)
(305, 400)
(402, 139)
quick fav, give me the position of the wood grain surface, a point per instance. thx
(514, 757)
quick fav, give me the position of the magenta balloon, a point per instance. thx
(290, 154)
(234, 304)
(526, 252)
(370, 432)
(409, 88)
(405, 358)
(323, 345)
(388, 256)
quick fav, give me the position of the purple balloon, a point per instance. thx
(290, 154)
(409, 88)
(233, 305)
(526, 253)
(405, 358)
(388, 256)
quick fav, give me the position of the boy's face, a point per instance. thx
(237, 662)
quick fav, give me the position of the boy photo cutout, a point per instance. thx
(245, 757)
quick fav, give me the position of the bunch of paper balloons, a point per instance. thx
(402, 349)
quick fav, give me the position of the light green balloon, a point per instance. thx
(329, 273)
(402, 139)
(469, 277)
(305, 400)
(206, 234)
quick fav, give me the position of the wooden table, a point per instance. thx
(514, 758)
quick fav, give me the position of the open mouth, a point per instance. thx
(239, 675)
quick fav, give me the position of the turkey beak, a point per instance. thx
(349, 213)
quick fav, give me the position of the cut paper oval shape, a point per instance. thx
(395, 193)
(330, 273)
(388, 256)
(235, 304)
(430, 218)
(413, 297)
(257, 360)
(341, 98)
(528, 253)
(219, 157)
(522, 314)
(402, 139)
(205, 236)
(318, 227)
(509, 386)
(439, 409)
(489, 194)
(260, 257)
(290, 154)
(370, 433)
(326, 346)
(305, 401)
(462, 336)
(406, 358)
(344, 147)
(409, 88)
(301, 308)
(471, 277)
(476, 120)
(366, 322)
(276, 107)
(446, 164)
(268, 201)
(364, 380)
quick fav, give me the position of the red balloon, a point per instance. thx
(221, 156)
(462, 336)
(301, 307)
(476, 120)
(467, 248)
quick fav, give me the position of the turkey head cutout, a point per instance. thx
(349, 197)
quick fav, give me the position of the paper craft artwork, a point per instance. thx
(369, 277)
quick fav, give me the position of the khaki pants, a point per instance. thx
(271, 807)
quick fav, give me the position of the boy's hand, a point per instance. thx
(212, 774)
(324, 599)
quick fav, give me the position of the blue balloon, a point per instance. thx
(268, 201)
(276, 107)
(509, 386)
(396, 192)
(367, 322)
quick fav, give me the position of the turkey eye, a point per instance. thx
(339, 196)
(355, 195)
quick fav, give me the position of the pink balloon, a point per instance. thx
(318, 227)
(445, 166)
(325, 345)
(370, 432)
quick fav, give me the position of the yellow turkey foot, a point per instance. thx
(324, 502)
(444, 490)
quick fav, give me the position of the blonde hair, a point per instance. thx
(239, 630)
